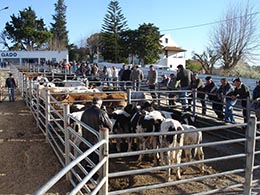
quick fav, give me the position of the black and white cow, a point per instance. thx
(171, 142)
(147, 122)
(123, 124)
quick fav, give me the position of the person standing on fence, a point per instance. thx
(241, 92)
(184, 76)
(198, 84)
(211, 90)
(152, 80)
(136, 77)
(97, 119)
(10, 84)
(225, 92)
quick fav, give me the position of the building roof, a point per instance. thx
(173, 48)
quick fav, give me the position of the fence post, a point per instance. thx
(38, 106)
(66, 111)
(47, 113)
(129, 100)
(194, 98)
(104, 134)
(250, 150)
(248, 110)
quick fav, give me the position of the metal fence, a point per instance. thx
(55, 122)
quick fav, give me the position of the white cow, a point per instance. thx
(171, 141)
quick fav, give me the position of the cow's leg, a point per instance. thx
(201, 157)
(154, 143)
(178, 160)
(129, 143)
(169, 160)
(188, 154)
(142, 147)
(118, 145)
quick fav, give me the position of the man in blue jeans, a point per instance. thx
(10, 84)
(184, 76)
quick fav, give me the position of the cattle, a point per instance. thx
(122, 123)
(147, 122)
(171, 141)
(193, 138)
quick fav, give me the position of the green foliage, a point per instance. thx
(193, 65)
(149, 45)
(58, 28)
(114, 24)
(26, 32)
(78, 54)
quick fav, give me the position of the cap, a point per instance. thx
(180, 66)
(97, 100)
(237, 79)
(208, 78)
(172, 74)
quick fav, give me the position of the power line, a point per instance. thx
(206, 24)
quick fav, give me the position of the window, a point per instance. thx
(166, 40)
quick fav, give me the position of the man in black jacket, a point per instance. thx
(10, 84)
(97, 119)
(241, 92)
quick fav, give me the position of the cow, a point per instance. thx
(122, 123)
(147, 122)
(171, 141)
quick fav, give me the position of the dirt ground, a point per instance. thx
(27, 160)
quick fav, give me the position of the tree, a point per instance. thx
(26, 32)
(235, 38)
(94, 44)
(149, 43)
(114, 24)
(129, 41)
(58, 28)
(207, 60)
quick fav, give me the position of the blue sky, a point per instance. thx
(85, 17)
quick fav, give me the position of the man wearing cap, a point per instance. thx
(152, 80)
(198, 84)
(97, 119)
(241, 92)
(184, 76)
(225, 91)
(211, 90)
(164, 82)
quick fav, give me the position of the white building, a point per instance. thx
(172, 55)
(33, 57)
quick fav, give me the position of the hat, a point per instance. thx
(180, 66)
(237, 79)
(172, 74)
(208, 78)
(97, 100)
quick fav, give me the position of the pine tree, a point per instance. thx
(60, 33)
(114, 24)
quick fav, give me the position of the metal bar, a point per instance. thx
(251, 133)
(67, 168)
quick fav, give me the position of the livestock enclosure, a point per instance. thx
(231, 151)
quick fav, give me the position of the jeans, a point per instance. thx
(229, 117)
(11, 94)
(184, 97)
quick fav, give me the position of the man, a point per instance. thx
(225, 91)
(256, 101)
(152, 80)
(97, 119)
(136, 76)
(10, 84)
(198, 84)
(172, 85)
(164, 82)
(184, 76)
(241, 92)
(211, 90)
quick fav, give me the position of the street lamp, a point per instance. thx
(4, 8)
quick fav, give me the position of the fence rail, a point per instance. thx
(55, 123)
